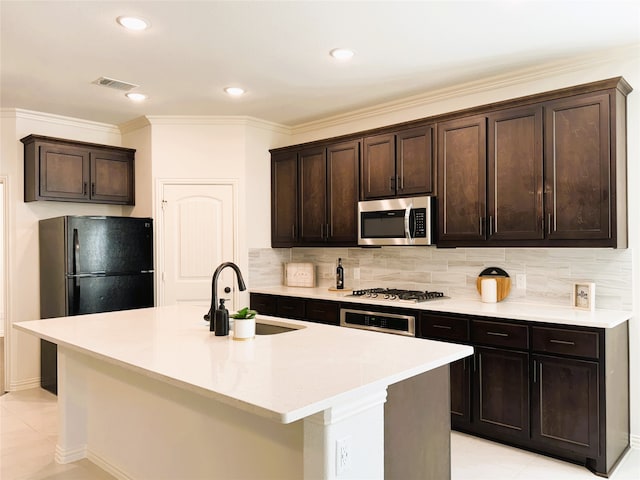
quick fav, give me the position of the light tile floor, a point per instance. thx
(28, 429)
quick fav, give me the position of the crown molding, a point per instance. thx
(19, 113)
(225, 120)
(502, 80)
(133, 125)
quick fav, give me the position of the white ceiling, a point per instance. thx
(51, 51)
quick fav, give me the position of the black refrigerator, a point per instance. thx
(91, 264)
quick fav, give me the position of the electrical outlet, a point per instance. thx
(343, 455)
(356, 273)
(521, 281)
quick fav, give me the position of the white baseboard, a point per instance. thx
(97, 460)
(635, 441)
(72, 455)
(25, 384)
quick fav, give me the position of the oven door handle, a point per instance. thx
(407, 217)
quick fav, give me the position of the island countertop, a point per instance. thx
(599, 318)
(286, 377)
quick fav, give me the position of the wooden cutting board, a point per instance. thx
(503, 281)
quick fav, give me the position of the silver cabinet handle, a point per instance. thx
(498, 334)
(562, 342)
(444, 327)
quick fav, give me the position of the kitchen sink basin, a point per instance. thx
(269, 329)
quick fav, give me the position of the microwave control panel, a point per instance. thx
(419, 222)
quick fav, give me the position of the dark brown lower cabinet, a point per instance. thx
(264, 304)
(321, 311)
(501, 404)
(565, 413)
(549, 388)
(459, 380)
(318, 311)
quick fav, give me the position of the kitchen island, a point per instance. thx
(151, 393)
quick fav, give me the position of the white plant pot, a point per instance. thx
(244, 329)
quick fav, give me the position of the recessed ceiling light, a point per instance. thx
(133, 23)
(234, 91)
(136, 97)
(341, 53)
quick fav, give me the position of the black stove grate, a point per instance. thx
(398, 294)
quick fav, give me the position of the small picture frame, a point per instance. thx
(584, 296)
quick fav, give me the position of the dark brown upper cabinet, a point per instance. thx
(314, 195)
(462, 167)
(514, 175)
(554, 174)
(546, 170)
(398, 164)
(579, 192)
(65, 170)
(284, 199)
(312, 177)
(343, 167)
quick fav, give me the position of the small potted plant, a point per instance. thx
(244, 324)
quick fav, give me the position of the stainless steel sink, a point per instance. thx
(268, 329)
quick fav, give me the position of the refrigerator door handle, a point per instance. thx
(76, 268)
(76, 252)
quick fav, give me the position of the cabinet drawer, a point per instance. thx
(264, 304)
(499, 334)
(444, 327)
(322, 312)
(577, 343)
(290, 307)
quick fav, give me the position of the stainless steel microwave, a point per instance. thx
(395, 221)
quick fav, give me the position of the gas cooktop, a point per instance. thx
(413, 296)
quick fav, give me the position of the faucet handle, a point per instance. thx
(227, 290)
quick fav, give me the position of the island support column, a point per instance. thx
(72, 410)
(347, 440)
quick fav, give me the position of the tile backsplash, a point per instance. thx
(549, 273)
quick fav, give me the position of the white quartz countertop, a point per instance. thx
(505, 309)
(286, 376)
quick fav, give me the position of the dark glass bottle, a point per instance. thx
(339, 275)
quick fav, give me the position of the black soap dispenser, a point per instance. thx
(221, 319)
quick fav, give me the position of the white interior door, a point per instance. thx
(198, 234)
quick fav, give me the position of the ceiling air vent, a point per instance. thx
(112, 83)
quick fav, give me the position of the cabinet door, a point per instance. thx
(343, 163)
(462, 162)
(379, 167)
(64, 172)
(577, 164)
(112, 177)
(565, 404)
(514, 176)
(321, 311)
(284, 199)
(414, 161)
(501, 393)
(313, 195)
(460, 380)
(290, 307)
(263, 304)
